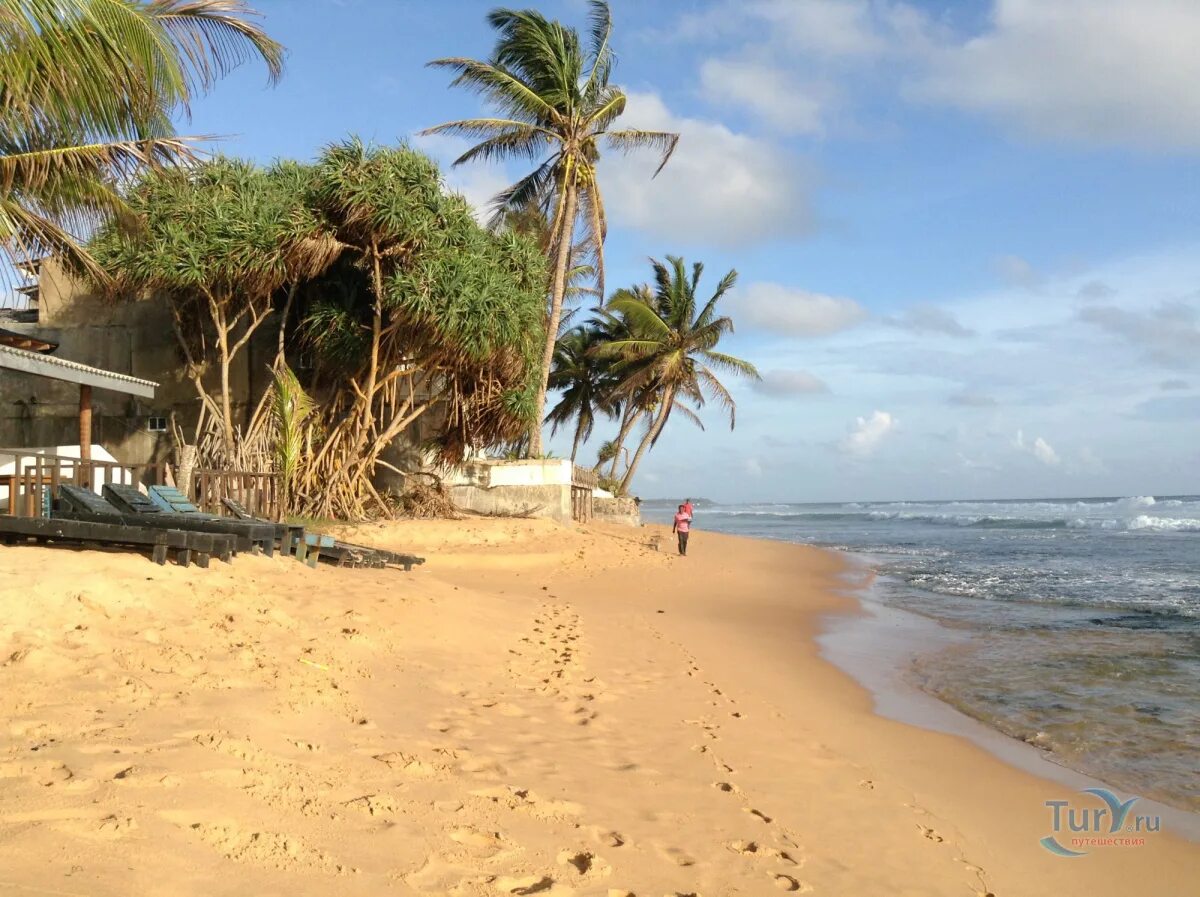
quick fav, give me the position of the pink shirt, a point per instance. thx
(682, 522)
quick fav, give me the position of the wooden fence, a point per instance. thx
(583, 481)
(29, 488)
(257, 491)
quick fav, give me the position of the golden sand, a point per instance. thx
(537, 710)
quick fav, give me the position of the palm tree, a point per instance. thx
(87, 91)
(667, 359)
(587, 383)
(554, 104)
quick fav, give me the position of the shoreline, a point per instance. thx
(897, 637)
(537, 709)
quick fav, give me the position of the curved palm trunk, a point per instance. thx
(631, 418)
(578, 438)
(651, 435)
(557, 290)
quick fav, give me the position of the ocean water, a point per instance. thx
(1080, 618)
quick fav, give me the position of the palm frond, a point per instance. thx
(501, 88)
(217, 36)
(629, 140)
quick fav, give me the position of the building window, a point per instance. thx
(157, 425)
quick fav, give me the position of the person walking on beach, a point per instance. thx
(688, 509)
(683, 524)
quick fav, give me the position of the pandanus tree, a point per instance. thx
(218, 241)
(88, 89)
(554, 106)
(668, 359)
(423, 309)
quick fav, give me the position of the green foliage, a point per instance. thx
(456, 300)
(291, 407)
(89, 88)
(555, 108)
(667, 356)
(587, 382)
(224, 227)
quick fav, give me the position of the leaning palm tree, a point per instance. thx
(87, 92)
(587, 383)
(666, 360)
(554, 104)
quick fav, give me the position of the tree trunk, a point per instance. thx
(557, 291)
(281, 345)
(226, 402)
(651, 435)
(185, 463)
(578, 439)
(631, 418)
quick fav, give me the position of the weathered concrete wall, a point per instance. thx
(535, 501)
(491, 473)
(132, 337)
(617, 510)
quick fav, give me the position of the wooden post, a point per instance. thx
(85, 423)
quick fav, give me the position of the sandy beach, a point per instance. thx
(537, 710)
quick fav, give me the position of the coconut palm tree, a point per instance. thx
(587, 382)
(87, 92)
(667, 360)
(555, 106)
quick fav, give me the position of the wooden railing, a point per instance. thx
(258, 492)
(27, 490)
(584, 476)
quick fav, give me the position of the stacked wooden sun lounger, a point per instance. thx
(334, 551)
(107, 529)
(165, 521)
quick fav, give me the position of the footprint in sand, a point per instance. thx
(585, 863)
(479, 844)
(677, 856)
(746, 848)
(48, 774)
(931, 834)
(110, 827)
(787, 883)
(529, 884)
(375, 804)
(409, 765)
(276, 849)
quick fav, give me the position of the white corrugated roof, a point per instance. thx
(73, 372)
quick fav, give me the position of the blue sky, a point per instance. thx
(966, 232)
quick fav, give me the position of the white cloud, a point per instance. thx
(972, 400)
(721, 187)
(1107, 71)
(767, 91)
(1017, 271)
(794, 311)
(1169, 333)
(1039, 448)
(867, 433)
(1044, 452)
(827, 29)
(832, 28)
(929, 319)
(787, 384)
(1095, 289)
